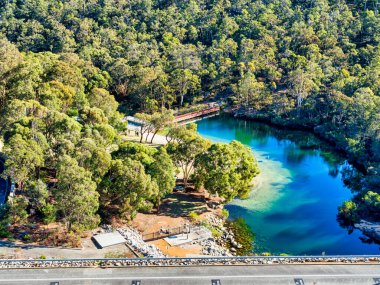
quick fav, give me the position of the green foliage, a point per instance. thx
(193, 216)
(38, 194)
(76, 195)
(225, 213)
(226, 170)
(49, 212)
(17, 213)
(243, 235)
(128, 188)
(26, 238)
(162, 171)
(184, 148)
(349, 212)
(296, 63)
(4, 232)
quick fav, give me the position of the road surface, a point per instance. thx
(252, 275)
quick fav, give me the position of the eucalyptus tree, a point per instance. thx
(226, 170)
(76, 196)
(184, 150)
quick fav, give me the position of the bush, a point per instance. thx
(4, 232)
(215, 232)
(27, 238)
(348, 212)
(225, 213)
(17, 210)
(193, 217)
(49, 213)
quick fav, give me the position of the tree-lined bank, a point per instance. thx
(309, 64)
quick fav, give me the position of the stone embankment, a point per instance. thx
(244, 261)
(134, 239)
(225, 240)
(211, 248)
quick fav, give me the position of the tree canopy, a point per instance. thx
(65, 65)
(226, 170)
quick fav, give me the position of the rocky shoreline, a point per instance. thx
(226, 240)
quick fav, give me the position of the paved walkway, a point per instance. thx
(24, 251)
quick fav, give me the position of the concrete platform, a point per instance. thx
(194, 235)
(108, 239)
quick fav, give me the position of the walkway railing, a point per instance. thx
(165, 233)
(192, 115)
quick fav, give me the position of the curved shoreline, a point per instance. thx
(301, 128)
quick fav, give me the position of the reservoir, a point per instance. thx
(294, 203)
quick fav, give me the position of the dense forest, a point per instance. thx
(309, 64)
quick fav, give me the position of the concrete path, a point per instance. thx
(225, 275)
(25, 251)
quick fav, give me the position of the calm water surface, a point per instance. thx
(293, 206)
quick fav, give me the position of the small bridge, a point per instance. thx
(201, 113)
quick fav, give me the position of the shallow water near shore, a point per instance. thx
(293, 205)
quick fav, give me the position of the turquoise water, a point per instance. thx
(293, 205)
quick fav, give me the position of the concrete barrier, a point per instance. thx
(210, 261)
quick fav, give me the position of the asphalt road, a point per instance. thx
(252, 275)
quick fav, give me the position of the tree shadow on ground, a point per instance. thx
(182, 204)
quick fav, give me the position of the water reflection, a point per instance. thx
(293, 207)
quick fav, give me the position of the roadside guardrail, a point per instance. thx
(196, 261)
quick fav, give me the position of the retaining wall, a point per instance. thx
(214, 261)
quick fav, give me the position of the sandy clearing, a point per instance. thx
(148, 223)
(178, 251)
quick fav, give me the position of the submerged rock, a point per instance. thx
(370, 229)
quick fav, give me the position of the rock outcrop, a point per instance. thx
(370, 229)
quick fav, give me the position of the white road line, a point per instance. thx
(192, 277)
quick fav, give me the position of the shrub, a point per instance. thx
(348, 212)
(49, 213)
(27, 238)
(17, 210)
(225, 213)
(4, 232)
(193, 217)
